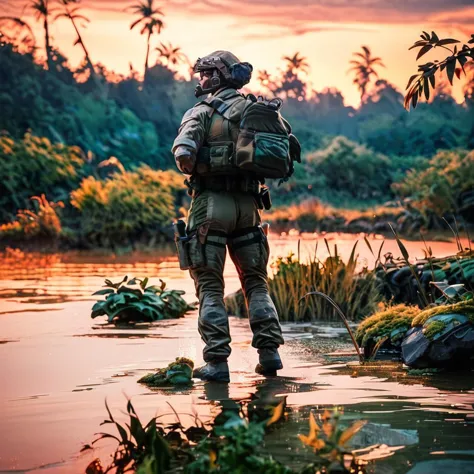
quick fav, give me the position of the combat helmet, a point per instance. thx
(224, 68)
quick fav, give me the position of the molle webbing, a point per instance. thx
(217, 238)
(244, 237)
(239, 238)
(225, 183)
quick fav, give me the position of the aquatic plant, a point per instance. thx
(179, 372)
(137, 445)
(231, 443)
(235, 446)
(329, 441)
(133, 301)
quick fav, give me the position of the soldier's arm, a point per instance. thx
(190, 137)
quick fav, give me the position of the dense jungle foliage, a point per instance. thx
(82, 139)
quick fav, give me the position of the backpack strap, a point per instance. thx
(217, 104)
(223, 107)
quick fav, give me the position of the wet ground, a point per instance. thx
(58, 366)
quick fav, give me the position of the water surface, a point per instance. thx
(58, 366)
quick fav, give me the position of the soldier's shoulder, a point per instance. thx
(198, 111)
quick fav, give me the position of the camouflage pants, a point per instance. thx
(230, 220)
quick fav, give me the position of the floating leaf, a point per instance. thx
(277, 413)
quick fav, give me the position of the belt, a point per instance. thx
(225, 183)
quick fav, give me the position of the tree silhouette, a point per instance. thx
(18, 32)
(364, 70)
(150, 22)
(42, 10)
(173, 55)
(296, 64)
(266, 80)
(72, 13)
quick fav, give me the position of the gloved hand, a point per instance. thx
(185, 159)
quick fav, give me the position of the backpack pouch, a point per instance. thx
(244, 155)
(271, 156)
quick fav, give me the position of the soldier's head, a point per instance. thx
(221, 69)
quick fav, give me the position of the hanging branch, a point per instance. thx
(420, 83)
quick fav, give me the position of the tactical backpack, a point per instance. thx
(265, 145)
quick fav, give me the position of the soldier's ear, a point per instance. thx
(241, 73)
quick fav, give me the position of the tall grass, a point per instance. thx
(356, 293)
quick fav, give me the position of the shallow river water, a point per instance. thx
(58, 366)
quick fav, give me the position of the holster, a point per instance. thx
(190, 248)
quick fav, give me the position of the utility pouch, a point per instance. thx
(183, 257)
(266, 198)
(195, 252)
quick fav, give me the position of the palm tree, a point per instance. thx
(364, 70)
(73, 15)
(150, 22)
(296, 63)
(172, 55)
(42, 11)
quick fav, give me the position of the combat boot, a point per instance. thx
(269, 362)
(213, 371)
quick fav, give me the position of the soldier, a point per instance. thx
(225, 213)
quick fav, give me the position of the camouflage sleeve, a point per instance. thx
(192, 131)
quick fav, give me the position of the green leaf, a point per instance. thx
(450, 67)
(432, 80)
(107, 291)
(144, 283)
(99, 309)
(434, 37)
(412, 78)
(446, 41)
(414, 100)
(426, 87)
(423, 51)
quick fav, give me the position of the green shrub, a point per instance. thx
(444, 187)
(43, 222)
(128, 207)
(132, 301)
(351, 169)
(33, 166)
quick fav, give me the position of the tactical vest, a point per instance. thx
(216, 156)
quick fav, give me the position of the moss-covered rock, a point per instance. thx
(464, 307)
(392, 322)
(178, 373)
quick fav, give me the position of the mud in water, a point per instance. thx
(57, 367)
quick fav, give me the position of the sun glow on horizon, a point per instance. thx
(327, 45)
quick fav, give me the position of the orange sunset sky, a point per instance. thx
(327, 32)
